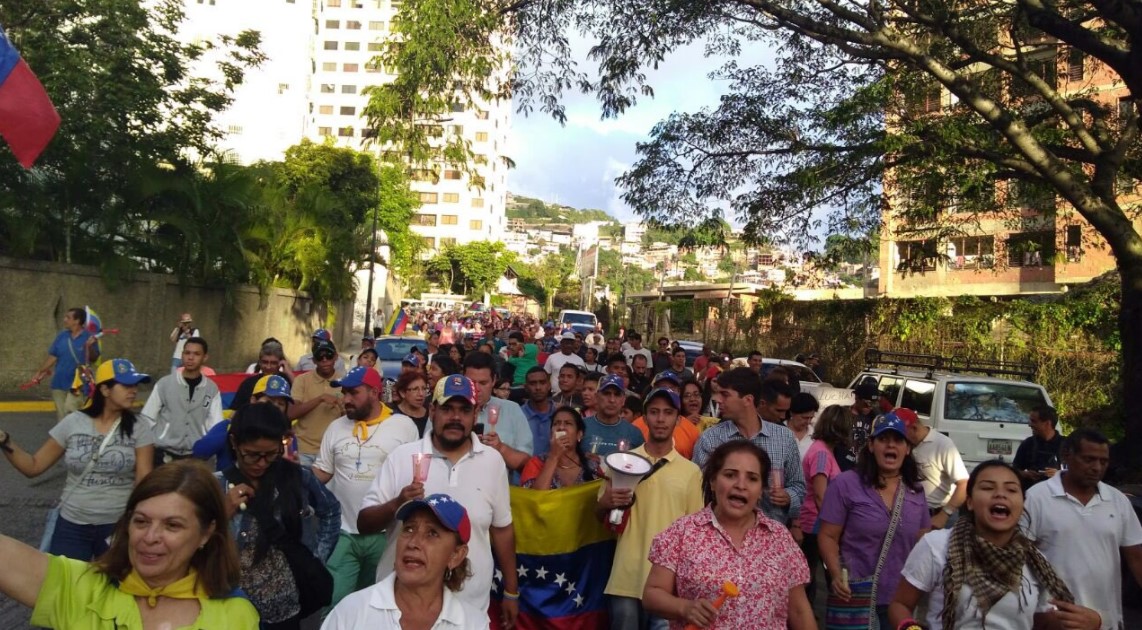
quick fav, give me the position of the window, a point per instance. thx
(477, 202)
(376, 26)
(917, 255)
(376, 46)
(283, 88)
(1045, 68)
(423, 175)
(925, 99)
(328, 88)
(347, 110)
(348, 89)
(481, 114)
(1030, 249)
(349, 67)
(1074, 243)
(475, 224)
(449, 219)
(453, 174)
(330, 45)
(234, 130)
(972, 252)
(345, 132)
(332, 24)
(1125, 110)
(918, 396)
(480, 158)
(325, 131)
(427, 220)
(353, 25)
(451, 197)
(333, 3)
(447, 241)
(427, 197)
(1075, 65)
(1034, 195)
(329, 66)
(374, 67)
(991, 402)
(368, 132)
(481, 136)
(352, 45)
(890, 386)
(326, 110)
(429, 242)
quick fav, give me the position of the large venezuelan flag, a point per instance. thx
(228, 385)
(28, 120)
(397, 322)
(563, 557)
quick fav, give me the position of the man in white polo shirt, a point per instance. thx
(462, 467)
(565, 356)
(352, 451)
(942, 470)
(1082, 525)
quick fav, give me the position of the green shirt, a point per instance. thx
(75, 596)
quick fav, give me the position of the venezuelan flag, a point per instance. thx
(28, 120)
(228, 385)
(563, 558)
(397, 322)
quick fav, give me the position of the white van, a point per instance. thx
(579, 319)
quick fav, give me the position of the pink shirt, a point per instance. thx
(818, 460)
(765, 568)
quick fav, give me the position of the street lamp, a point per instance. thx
(372, 267)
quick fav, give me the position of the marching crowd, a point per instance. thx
(384, 500)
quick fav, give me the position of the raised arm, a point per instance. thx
(22, 585)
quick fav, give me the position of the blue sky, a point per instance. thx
(576, 164)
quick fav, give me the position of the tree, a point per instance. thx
(549, 276)
(942, 100)
(128, 102)
(473, 268)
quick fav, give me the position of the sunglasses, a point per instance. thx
(324, 356)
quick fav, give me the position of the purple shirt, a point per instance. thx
(864, 517)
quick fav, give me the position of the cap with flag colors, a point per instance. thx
(273, 386)
(28, 120)
(359, 376)
(454, 386)
(121, 371)
(447, 510)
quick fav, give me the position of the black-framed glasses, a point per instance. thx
(252, 458)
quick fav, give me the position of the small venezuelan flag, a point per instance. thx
(563, 558)
(397, 322)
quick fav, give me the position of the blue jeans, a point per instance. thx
(627, 614)
(81, 542)
(306, 460)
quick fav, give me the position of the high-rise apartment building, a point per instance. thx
(320, 61)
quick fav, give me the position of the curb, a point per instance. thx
(27, 406)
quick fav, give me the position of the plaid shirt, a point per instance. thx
(777, 442)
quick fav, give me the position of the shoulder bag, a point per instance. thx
(53, 513)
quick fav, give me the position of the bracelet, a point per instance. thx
(511, 597)
(909, 624)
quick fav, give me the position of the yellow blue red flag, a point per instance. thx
(397, 322)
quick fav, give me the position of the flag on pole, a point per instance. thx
(397, 322)
(28, 120)
(563, 558)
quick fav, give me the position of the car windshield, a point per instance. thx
(395, 349)
(991, 402)
(578, 318)
(803, 374)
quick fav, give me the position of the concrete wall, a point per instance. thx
(34, 296)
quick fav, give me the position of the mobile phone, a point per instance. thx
(478, 429)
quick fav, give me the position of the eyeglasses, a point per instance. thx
(692, 395)
(323, 356)
(254, 458)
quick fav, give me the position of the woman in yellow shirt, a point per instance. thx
(171, 565)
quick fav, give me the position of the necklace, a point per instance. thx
(575, 465)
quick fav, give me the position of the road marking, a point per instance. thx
(27, 406)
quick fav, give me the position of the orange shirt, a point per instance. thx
(685, 435)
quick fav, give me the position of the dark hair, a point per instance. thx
(661, 339)
(569, 366)
(633, 336)
(592, 377)
(280, 489)
(1048, 413)
(535, 369)
(589, 350)
(217, 562)
(79, 315)
(742, 380)
(834, 426)
(500, 382)
(755, 353)
(517, 335)
(407, 378)
(638, 356)
(1073, 443)
(200, 341)
(94, 409)
(771, 390)
(869, 471)
(982, 466)
(480, 361)
(445, 363)
(588, 472)
(633, 403)
(677, 350)
(718, 459)
(688, 382)
(369, 351)
(616, 357)
(803, 403)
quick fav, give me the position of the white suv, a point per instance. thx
(984, 413)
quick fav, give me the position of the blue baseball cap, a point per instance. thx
(411, 359)
(454, 386)
(273, 386)
(888, 422)
(121, 371)
(322, 335)
(359, 376)
(670, 396)
(668, 375)
(447, 510)
(611, 380)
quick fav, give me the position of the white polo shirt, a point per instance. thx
(376, 607)
(1082, 542)
(478, 481)
(556, 361)
(941, 467)
(354, 463)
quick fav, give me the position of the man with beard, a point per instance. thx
(639, 375)
(317, 404)
(352, 451)
(467, 470)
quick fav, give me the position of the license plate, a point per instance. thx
(998, 447)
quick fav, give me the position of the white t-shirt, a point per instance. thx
(100, 496)
(1083, 542)
(478, 481)
(941, 467)
(558, 360)
(631, 353)
(376, 607)
(925, 570)
(354, 464)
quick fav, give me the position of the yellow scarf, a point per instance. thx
(361, 427)
(186, 588)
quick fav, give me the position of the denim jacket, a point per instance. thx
(321, 517)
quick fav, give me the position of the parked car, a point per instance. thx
(693, 350)
(805, 375)
(586, 318)
(391, 349)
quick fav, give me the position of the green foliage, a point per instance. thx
(547, 278)
(471, 269)
(623, 279)
(528, 208)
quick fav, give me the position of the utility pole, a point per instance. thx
(372, 266)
